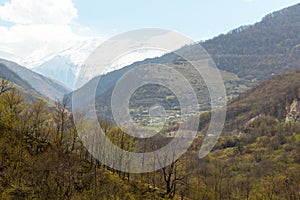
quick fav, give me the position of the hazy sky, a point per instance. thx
(35, 28)
(196, 18)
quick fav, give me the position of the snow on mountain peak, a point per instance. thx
(62, 61)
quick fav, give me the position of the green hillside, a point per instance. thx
(257, 157)
(47, 87)
(271, 98)
(255, 52)
(22, 86)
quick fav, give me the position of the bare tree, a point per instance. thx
(4, 86)
(175, 175)
(64, 126)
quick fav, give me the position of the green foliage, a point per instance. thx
(258, 155)
(257, 165)
(42, 158)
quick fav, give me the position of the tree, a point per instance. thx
(64, 136)
(39, 116)
(175, 174)
(4, 86)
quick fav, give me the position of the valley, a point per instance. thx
(44, 155)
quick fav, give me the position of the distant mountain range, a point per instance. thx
(63, 65)
(60, 64)
(251, 54)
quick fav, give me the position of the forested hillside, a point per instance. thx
(257, 157)
(256, 52)
(41, 156)
(273, 98)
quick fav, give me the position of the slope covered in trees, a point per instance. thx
(257, 51)
(41, 156)
(273, 98)
(257, 157)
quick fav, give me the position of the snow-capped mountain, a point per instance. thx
(62, 61)
(64, 65)
(134, 56)
(60, 68)
(57, 60)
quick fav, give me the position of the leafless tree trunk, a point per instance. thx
(4, 86)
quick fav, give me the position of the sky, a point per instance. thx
(194, 18)
(29, 28)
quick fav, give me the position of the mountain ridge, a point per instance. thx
(15, 81)
(45, 86)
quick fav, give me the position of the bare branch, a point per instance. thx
(4, 86)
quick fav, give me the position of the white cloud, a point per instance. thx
(41, 32)
(36, 43)
(40, 29)
(38, 11)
